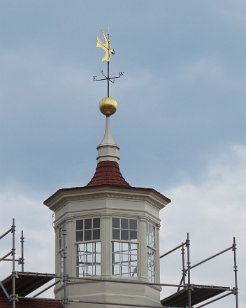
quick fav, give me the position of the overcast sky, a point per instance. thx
(180, 122)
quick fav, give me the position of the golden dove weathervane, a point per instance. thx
(106, 46)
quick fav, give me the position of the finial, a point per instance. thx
(108, 106)
(106, 46)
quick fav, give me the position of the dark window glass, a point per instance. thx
(124, 234)
(124, 223)
(116, 222)
(87, 235)
(116, 234)
(133, 224)
(96, 223)
(87, 224)
(88, 229)
(96, 234)
(79, 236)
(79, 225)
(133, 235)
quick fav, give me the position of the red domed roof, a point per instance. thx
(108, 172)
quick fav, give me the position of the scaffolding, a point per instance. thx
(20, 284)
(13, 297)
(189, 294)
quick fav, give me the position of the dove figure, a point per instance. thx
(106, 47)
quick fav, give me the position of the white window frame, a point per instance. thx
(125, 247)
(88, 247)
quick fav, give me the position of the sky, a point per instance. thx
(180, 122)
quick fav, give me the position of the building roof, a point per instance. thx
(199, 293)
(31, 303)
(26, 282)
(108, 172)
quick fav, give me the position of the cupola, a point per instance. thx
(107, 232)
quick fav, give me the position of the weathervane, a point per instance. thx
(108, 52)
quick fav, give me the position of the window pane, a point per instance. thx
(98, 258)
(133, 235)
(116, 270)
(125, 271)
(79, 236)
(89, 259)
(98, 270)
(124, 223)
(79, 224)
(124, 234)
(87, 223)
(87, 235)
(116, 258)
(116, 246)
(134, 247)
(124, 246)
(81, 247)
(89, 247)
(98, 246)
(125, 257)
(133, 271)
(96, 234)
(116, 223)
(116, 234)
(133, 224)
(89, 271)
(96, 223)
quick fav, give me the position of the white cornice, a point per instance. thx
(63, 196)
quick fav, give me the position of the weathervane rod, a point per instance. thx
(108, 78)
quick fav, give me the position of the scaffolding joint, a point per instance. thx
(235, 291)
(14, 298)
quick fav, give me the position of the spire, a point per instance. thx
(108, 150)
(107, 171)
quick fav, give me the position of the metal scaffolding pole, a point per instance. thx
(47, 288)
(7, 232)
(22, 251)
(234, 248)
(182, 281)
(13, 297)
(183, 264)
(172, 250)
(188, 269)
(214, 300)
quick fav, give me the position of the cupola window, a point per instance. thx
(124, 247)
(88, 247)
(151, 247)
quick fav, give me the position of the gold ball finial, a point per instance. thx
(108, 106)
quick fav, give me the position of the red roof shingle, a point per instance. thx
(31, 303)
(108, 172)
